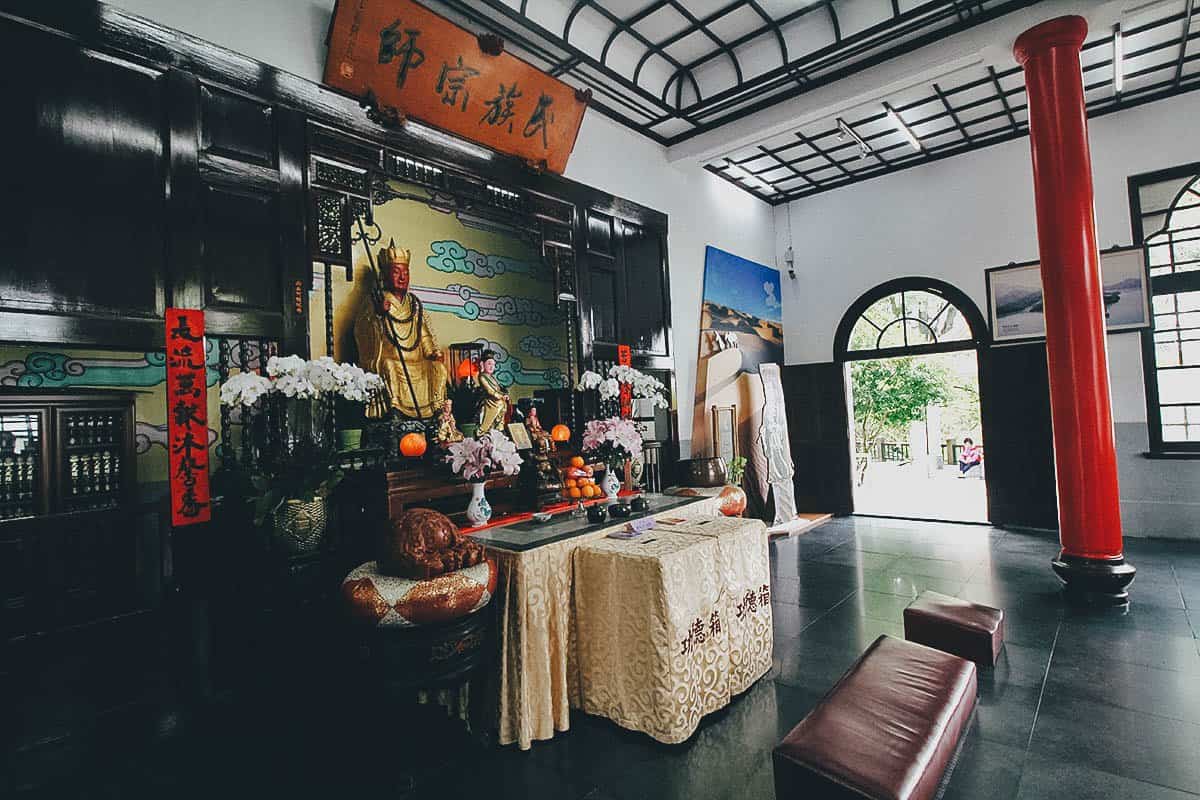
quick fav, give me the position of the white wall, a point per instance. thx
(954, 218)
(702, 208)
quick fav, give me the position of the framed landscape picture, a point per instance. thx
(1015, 309)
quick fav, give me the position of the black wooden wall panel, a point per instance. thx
(129, 188)
(237, 127)
(85, 198)
(242, 259)
(646, 326)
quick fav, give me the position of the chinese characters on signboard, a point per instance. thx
(187, 417)
(421, 64)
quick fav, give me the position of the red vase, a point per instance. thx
(732, 501)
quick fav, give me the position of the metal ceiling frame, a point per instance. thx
(839, 156)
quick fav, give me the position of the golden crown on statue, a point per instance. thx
(391, 254)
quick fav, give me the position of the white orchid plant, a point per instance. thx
(476, 459)
(293, 377)
(308, 472)
(645, 387)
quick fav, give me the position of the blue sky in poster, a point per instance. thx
(740, 284)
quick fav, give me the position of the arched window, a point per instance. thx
(905, 319)
(1167, 210)
(909, 316)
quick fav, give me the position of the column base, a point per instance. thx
(1094, 581)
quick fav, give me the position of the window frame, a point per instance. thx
(1175, 283)
(956, 298)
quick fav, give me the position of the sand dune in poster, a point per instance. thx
(760, 340)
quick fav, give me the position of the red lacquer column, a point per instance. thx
(1091, 563)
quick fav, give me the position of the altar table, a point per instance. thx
(671, 625)
(538, 669)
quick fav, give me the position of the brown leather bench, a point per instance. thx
(970, 630)
(888, 730)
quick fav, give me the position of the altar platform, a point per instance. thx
(541, 677)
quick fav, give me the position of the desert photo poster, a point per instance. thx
(741, 327)
(1015, 296)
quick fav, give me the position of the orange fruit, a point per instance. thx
(575, 492)
(577, 461)
(572, 483)
(586, 491)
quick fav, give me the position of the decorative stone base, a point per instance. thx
(1094, 581)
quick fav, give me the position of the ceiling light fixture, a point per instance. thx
(743, 175)
(903, 128)
(844, 130)
(1118, 60)
(435, 136)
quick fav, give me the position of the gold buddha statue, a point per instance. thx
(395, 341)
(493, 400)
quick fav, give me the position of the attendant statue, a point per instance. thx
(537, 434)
(395, 341)
(447, 429)
(493, 401)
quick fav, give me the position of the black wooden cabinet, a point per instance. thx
(68, 542)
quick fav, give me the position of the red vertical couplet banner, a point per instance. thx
(625, 359)
(187, 417)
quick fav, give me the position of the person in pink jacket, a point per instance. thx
(970, 457)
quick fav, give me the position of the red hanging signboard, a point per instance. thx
(625, 359)
(187, 417)
(403, 56)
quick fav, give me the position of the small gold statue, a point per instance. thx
(447, 429)
(537, 434)
(394, 340)
(494, 402)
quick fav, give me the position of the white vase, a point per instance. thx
(611, 483)
(479, 510)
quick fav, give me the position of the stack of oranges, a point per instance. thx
(578, 483)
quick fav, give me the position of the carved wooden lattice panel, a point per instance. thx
(92, 444)
(20, 464)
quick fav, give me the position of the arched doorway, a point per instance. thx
(910, 351)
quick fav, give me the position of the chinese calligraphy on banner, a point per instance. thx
(425, 66)
(187, 417)
(625, 359)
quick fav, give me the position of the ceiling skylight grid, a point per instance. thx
(1161, 57)
(677, 68)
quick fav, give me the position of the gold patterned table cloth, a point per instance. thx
(538, 673)
(744, 550)
(671, 625)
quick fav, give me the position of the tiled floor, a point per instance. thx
(1082, 704)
